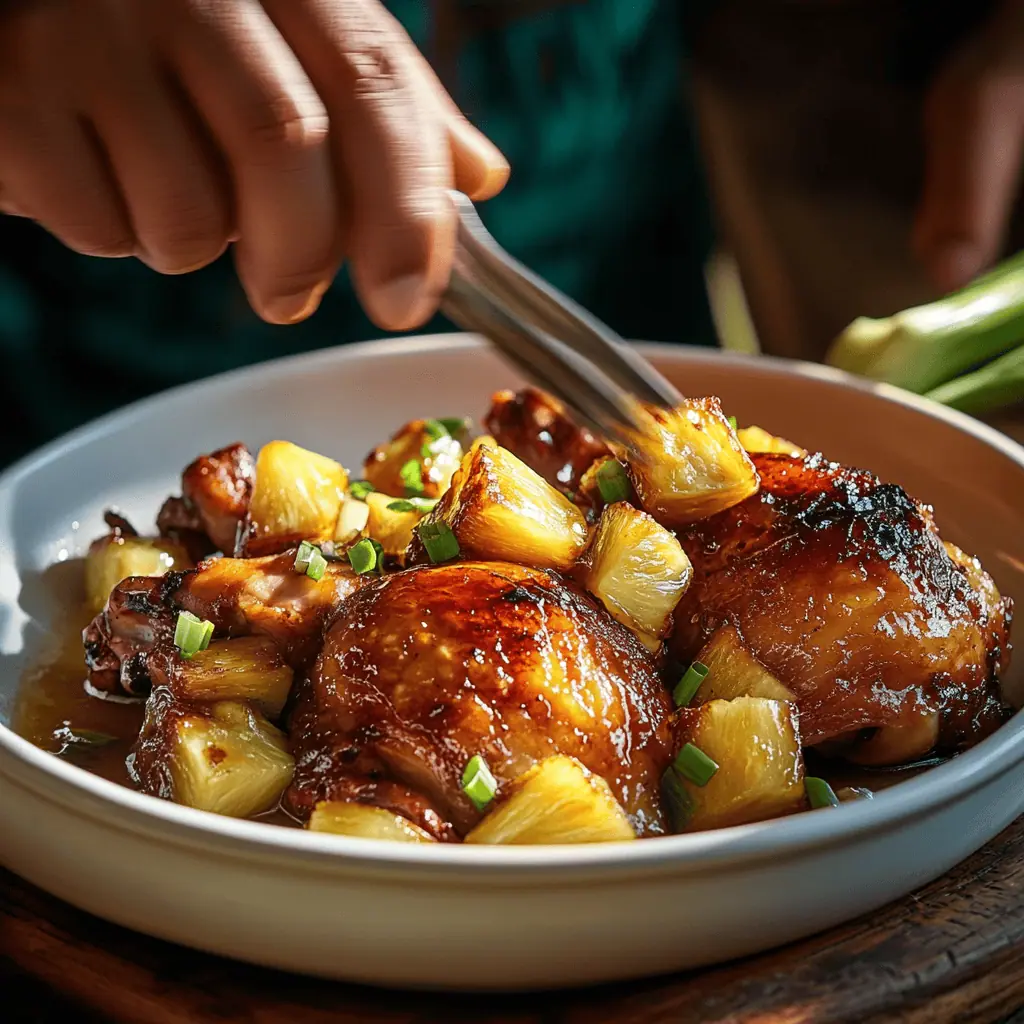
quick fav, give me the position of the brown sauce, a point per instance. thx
(52, 698)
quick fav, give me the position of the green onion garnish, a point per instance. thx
(819, 793)
(455, 425)
(303, 556)
(435, 429)
(412, 505)
(440, 543)
(688, 686)
(366, 556)
(359, 489)
(412, 477)
(192, 634)
(734, 423)
(612, 482)
(310, 561)
(478, 783)
(693, 764)
(317, 565)
(678, 802)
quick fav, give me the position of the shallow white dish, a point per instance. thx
(463, 917)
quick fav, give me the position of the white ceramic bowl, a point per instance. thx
(464, 917)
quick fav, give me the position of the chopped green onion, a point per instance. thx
(455, 425)
(83, 737)
(693, 764)
(478, 783)
(612, 482)
(317, 565)
(734, 423)
(678, 802)
(819, 793)
(303, 556)
(192, 634)
(412, 505)
(359, 489)
(435, 429)
(440, 543)
(366, 556)
(688, 686)
(412, 477)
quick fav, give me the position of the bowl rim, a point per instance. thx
(723, 849)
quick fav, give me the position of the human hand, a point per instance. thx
(304, 131)
(974, 136)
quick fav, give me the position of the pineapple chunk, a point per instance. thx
(638, 570)
(689, 465)
(247, 668)
(754, 439)
(734, 672)
(231, 762)
(436, 454)
(116, 557)
(756, 744)
(297, 496)
(499, 509)
(556, 801)
(391, 529)
(352, 520)
(365, 822)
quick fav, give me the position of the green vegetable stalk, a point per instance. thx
(928, 346)
(997, 384)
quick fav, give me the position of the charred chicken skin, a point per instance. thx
(424, 669)
(841, 586)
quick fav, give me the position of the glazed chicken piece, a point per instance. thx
(126, 643)
(536, 428)
(215, 490)
(841, 586)
(425, 669)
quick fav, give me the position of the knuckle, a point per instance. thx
(108, 241)
(373, 66)
(188, 241)
(289, 125)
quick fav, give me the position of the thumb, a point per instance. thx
(974, 133)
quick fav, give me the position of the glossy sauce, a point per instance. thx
(52, 697)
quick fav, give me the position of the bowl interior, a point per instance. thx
(345, 401)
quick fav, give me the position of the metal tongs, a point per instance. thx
(552, 340)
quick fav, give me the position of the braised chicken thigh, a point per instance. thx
(841, 586)
(424, 669)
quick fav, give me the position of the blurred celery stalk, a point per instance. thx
(996, 384)
(922, 348)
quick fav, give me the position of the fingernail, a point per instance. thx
(954, 264)
(405, 303)
(290, 309)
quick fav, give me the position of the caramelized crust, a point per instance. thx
(216, 489)
(127, 644)
(536, 428)
(426, 668)
(841, 586)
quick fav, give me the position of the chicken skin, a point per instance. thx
(127, 642)
(426, 668)
(841, 586)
